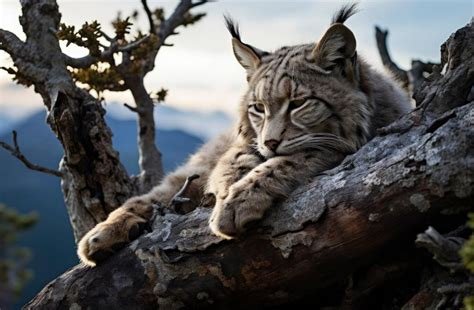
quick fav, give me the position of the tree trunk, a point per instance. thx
(94, 182)
(347, 233)
(150, 163)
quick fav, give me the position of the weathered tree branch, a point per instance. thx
(180, 197)
(356, 215)
(10, 43)
(381, 39)
(150, 162)
(411, 79)
(451, 281)
(16, 152)
(149, 15)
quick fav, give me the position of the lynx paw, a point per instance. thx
(122, 226)
(230, 217)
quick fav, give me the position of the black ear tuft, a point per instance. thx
(344, 13)
(232, 26)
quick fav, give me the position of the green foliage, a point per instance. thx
(467, 251)
(160, 95)
(88, 36)
(122, 27)
(99, 78)
(13, 259)
(469, 302)
(159, 14)
(190, 18)
(138, 61)
(467, 254)
(18, 77)
(143, 50)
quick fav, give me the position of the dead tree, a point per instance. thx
(344, 240)
(410, 79)
(93, 180)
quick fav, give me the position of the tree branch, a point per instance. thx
(381, 38)
(133, 109)
(10, 43)
(15, 151)
(410, 79)
(176, 19)
(150, 162)
(180, 197)
(199, 3)
(87, 61)
(375, 199)
(149, 16)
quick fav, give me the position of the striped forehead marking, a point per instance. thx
(259, 89)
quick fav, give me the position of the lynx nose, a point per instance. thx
(272, 144)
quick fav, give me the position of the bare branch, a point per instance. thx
(381, 38)
(180, 198)
(149, 16)
(133, 45)
(416, 75)
(151, 169)
(11, 44)
(176, 19)
(133, 109)
(106, 36)
(15, 151)
(445, 250)
(117, 88)
(196, 4)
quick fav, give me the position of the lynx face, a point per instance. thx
(306, 96)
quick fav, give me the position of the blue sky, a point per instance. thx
(200, 70)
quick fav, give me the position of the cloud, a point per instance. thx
(200, 70)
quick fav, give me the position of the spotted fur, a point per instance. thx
(305, 108)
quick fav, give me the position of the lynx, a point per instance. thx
(306, 107)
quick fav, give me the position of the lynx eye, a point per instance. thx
(259, 107)
(295, 104)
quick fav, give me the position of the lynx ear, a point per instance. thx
(337, 48)
(248, 56)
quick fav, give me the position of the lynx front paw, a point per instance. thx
(106, 238)
(230, 216)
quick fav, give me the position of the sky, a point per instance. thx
(200, 70)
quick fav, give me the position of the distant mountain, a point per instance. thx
(202, 124)
(51, 240)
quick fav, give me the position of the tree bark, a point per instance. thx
(150, 163)
(359, 218)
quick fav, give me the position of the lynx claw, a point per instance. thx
(118, 246)
(222, 223)
(137, 230)
(122, 226)
(229, 220)
(100, 256)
